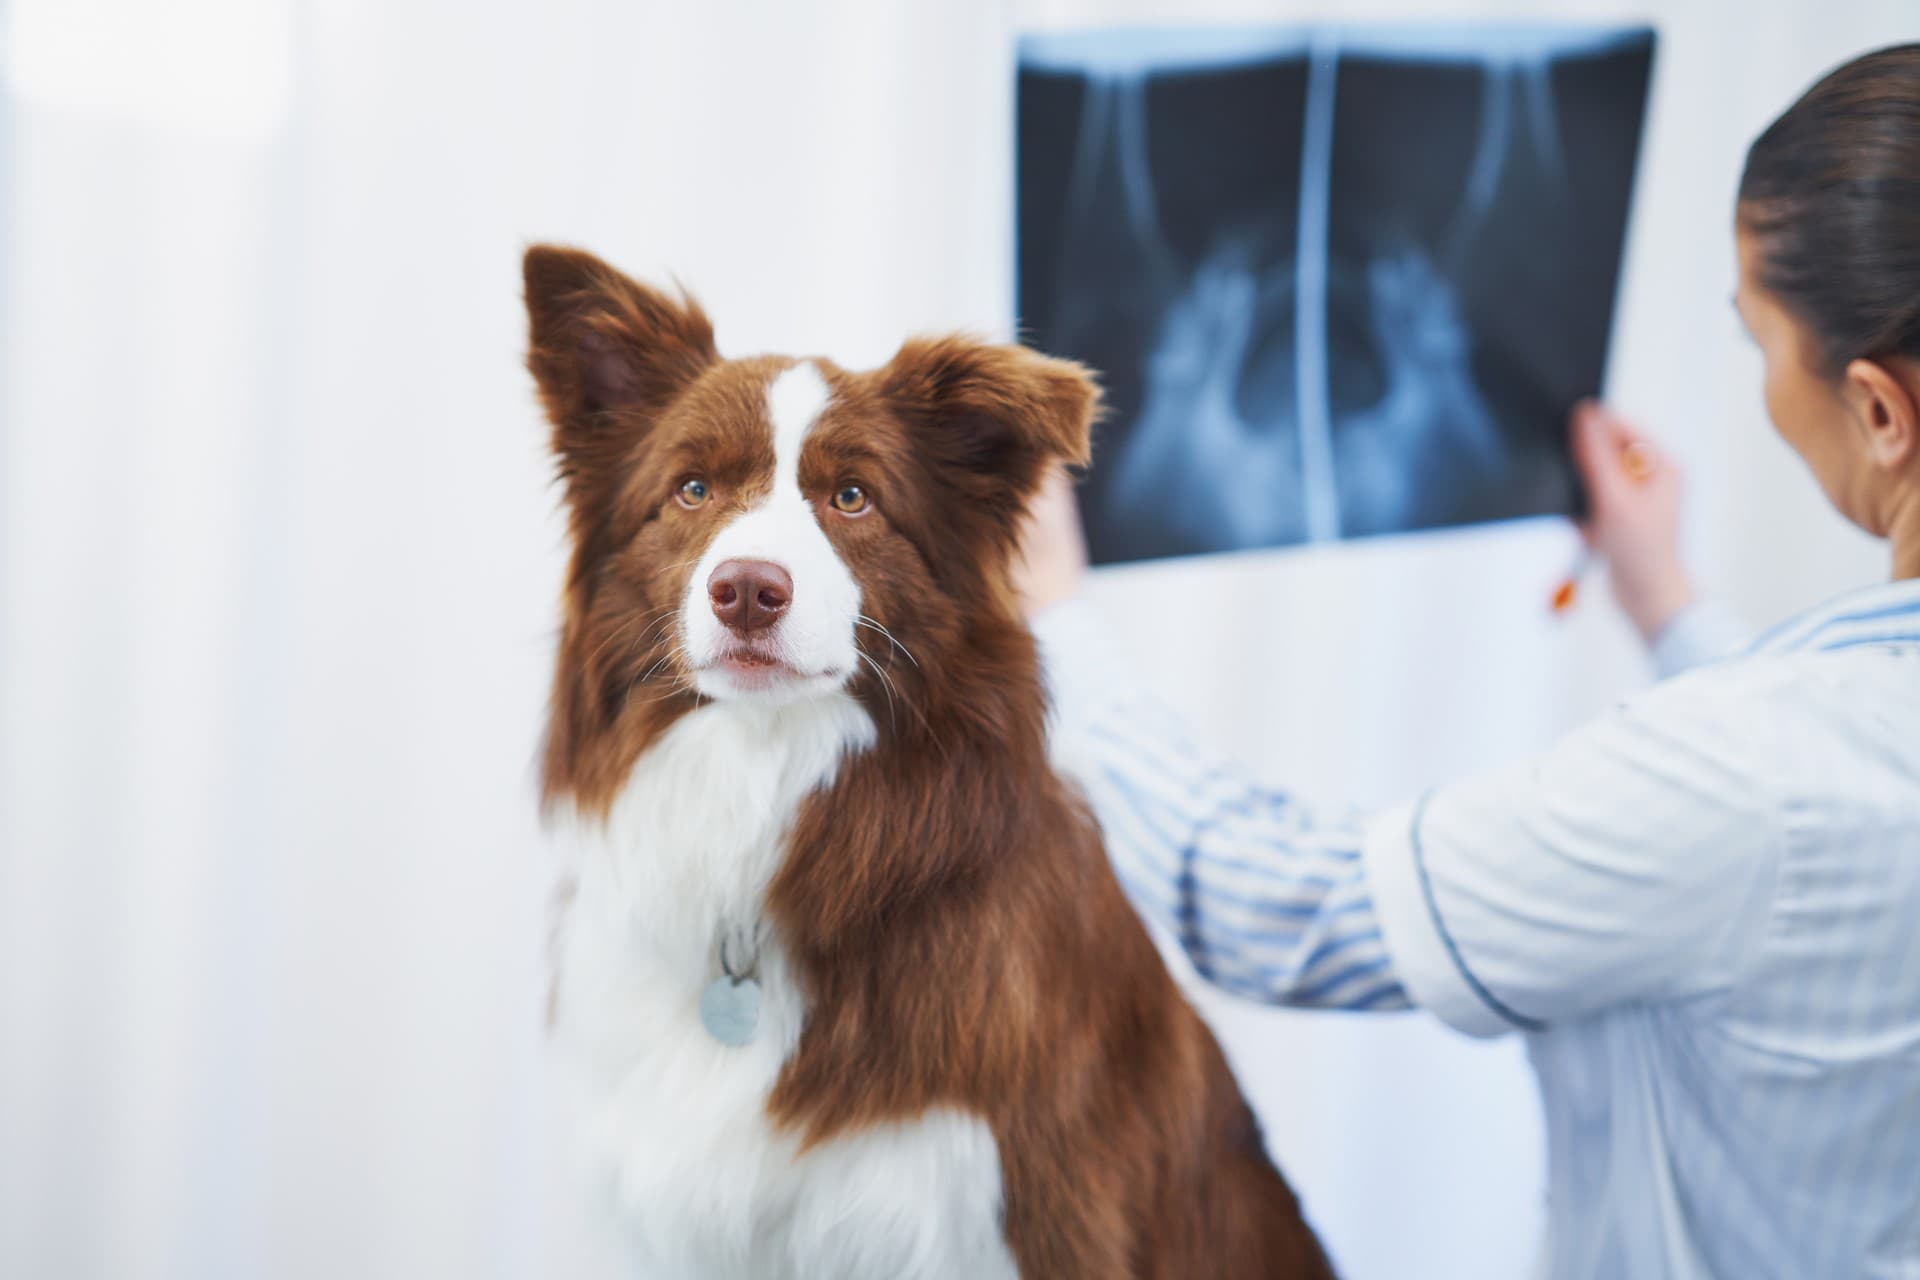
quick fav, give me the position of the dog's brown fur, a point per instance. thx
(946, 901)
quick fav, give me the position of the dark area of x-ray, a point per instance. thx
(1336, 283)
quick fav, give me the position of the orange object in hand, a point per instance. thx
(1567, 594)
(1639, 462)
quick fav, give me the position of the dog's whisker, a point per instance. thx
(890, 688)
(654, 635)
(886, 685)
(871, 623)
(677, 686)
(615, 634)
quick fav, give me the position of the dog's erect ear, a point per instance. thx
(607, 353)
(993, 419)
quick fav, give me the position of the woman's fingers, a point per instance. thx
(1052, 555)
(1609, 451)
(1595, 450)
(1639, 460)
(1633, 514)
(1620, 466)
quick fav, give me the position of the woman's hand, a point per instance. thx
(1052, 556)
(1633, 517)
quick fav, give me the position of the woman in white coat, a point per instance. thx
(1703, 910)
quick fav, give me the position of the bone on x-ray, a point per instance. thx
(1337, 282)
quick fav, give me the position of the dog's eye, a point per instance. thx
(851, 500)
(692, 493)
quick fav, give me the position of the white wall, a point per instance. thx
(278, 560)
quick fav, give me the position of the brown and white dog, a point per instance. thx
(799, 721)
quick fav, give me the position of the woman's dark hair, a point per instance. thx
(1832, 194)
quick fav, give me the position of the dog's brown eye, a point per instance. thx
(851, 500)
(693, 492)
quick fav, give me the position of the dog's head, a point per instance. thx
(772, 529)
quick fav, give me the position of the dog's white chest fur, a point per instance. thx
(673, 1124)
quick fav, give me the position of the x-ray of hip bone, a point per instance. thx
(1338, 282)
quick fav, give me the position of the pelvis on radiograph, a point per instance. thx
(1332, 294)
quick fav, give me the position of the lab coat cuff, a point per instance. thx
(1704, 632)
(1425, 957)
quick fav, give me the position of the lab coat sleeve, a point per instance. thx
(1266, 896)
(1635, 861)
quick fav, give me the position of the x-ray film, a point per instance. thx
(1337, 281)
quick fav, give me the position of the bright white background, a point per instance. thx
(278, 559)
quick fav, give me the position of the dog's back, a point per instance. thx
(848, 986)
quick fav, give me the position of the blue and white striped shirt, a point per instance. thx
(1703, 911)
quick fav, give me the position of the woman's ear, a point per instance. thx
(1884, 397)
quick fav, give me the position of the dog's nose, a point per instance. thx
(749, 595)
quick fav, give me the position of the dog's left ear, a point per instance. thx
(992, 419)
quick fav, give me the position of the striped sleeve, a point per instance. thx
(1268, 901)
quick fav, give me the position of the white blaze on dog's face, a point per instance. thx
(771, 609)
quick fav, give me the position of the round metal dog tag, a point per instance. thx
(730, 1009)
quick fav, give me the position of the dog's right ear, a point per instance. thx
(608, 354)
